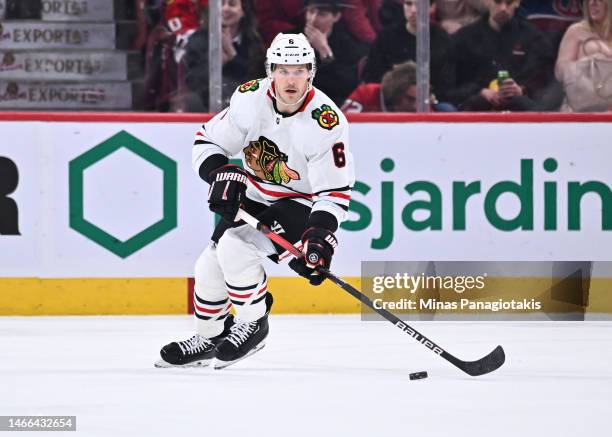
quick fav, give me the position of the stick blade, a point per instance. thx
(485, 365)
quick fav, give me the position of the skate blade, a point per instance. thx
(161, 364)
(218, 364)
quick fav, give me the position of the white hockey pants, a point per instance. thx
(231, 274)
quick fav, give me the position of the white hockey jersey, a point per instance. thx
(304, 156)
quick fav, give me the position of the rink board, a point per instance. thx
(111, 216)
(91, 296)
(140, 296)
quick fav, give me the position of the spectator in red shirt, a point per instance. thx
(172, 23)
(396, 93)
(278, 16)
(361, 18)
(182, 19)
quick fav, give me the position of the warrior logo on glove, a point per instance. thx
(227, 189)
(268, 162)
(230, 176)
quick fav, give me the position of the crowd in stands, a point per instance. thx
(485, 55)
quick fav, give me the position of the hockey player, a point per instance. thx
(297, 179)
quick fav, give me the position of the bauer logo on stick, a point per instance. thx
(326, 116)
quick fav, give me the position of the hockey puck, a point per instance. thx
(418, 375)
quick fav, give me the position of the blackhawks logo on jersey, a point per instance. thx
(251, 85)
(268, 162)
(326, 116)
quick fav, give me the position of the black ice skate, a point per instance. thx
(194, 352)
(243, 340)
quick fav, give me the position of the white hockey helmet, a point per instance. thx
(291, 49)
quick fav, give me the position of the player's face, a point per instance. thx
(291, 82)
(502, 11)
(598, 10)
(231, 12)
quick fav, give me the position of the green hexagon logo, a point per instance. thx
(133, 244)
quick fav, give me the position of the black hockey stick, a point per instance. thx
(482, 366)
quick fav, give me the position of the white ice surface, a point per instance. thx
(317, 376)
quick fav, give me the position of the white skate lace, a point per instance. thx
(195, 344)
(239, 333)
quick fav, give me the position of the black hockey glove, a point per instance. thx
(227, 188)
(319, 246)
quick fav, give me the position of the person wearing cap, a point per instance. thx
(296, 178)
(361, 17)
